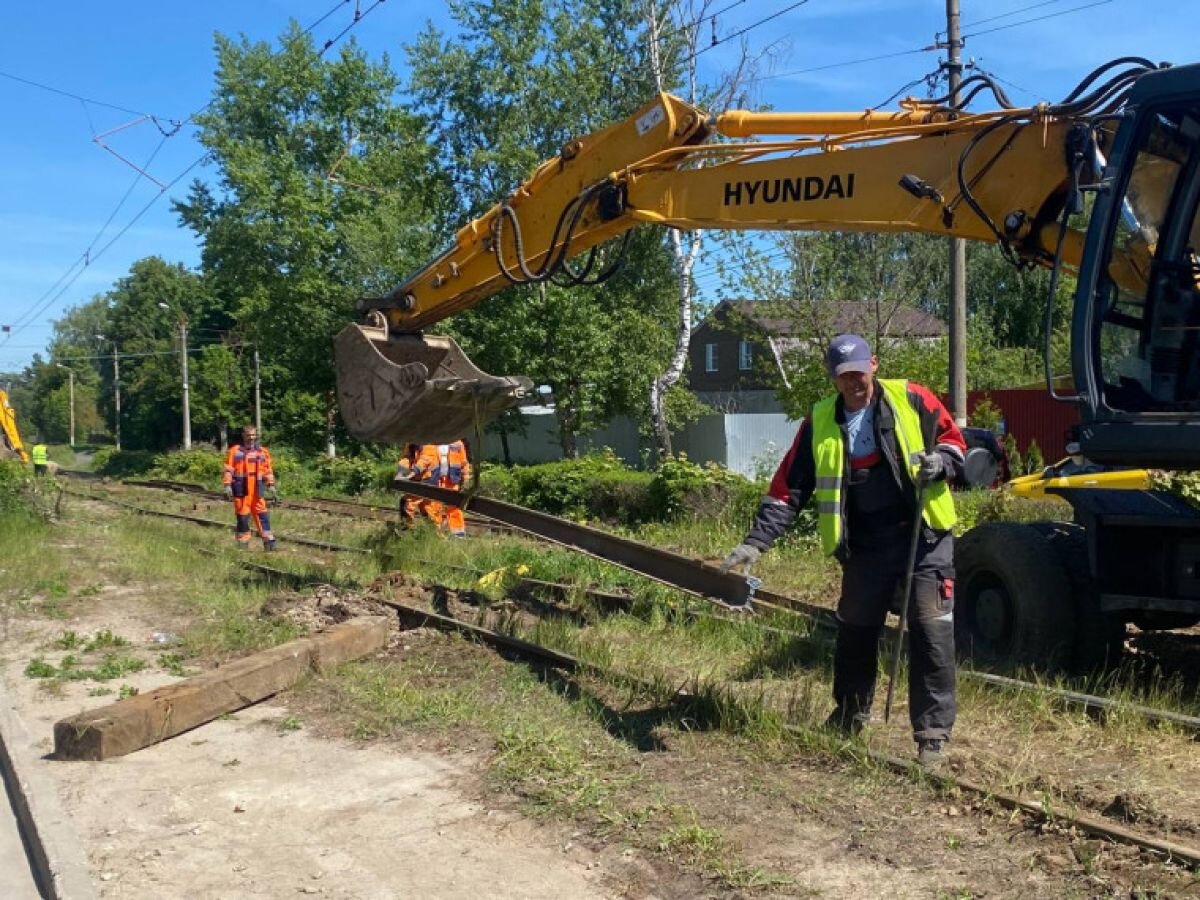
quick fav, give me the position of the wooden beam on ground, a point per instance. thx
(145, 719)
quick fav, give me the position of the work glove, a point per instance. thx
(930, 467)
(272, 493)
(743, 556)
(229, 492)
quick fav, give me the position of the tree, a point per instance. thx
(673, 53)
(323, 195)
(144, 307)
(222, 388)
(514, 84)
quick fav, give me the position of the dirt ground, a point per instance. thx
(285, 798)
(247, 807)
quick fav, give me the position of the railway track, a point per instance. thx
(1038, 810)
(819, 616)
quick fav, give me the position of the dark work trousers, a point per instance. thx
(873, 583)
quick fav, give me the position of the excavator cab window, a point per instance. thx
(1149, 286)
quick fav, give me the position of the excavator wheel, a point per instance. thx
(1013, 599)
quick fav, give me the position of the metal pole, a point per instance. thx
(187, 410)
(257, 395)
(117, 391)
(958, 246)
(71, 395)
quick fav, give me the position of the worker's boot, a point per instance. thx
(931, 754)
(847, 723)
(269, 545)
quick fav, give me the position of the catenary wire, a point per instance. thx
(741, 31)
(41, 305)
(1053, 15)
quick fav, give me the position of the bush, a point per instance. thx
(1034, 461)
(599, 486)
(1185, 485)
(594, 486)
(198, 466)
(15, 486)
(123, 463)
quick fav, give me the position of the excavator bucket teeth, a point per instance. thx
(403, 389)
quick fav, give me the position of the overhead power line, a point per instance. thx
(82, 99)
(1053, 15)
(1011, 12)
(77, 268)
(718, 41)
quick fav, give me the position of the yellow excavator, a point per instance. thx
(1127, 137)
(11, 446)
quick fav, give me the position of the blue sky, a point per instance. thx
(61, 187)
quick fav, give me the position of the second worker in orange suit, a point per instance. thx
(416, 465)
(249, 481)
(454, 470)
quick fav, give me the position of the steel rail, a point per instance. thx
(330, 505)
(211, 523)
(559, 531)
(1171, 850)
(673, 569)
(1089, 824)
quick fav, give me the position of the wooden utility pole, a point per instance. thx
(958, 246)
(257, 394)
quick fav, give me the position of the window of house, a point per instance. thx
(710, 357)
(745, 356)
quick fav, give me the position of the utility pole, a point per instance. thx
(187, 409)
(183, 366)
(257, 394)
(958, 246)
(117, 390)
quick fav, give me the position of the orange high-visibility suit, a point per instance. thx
(248, 473)
(447, 466)
(454, 470)
(416, 465)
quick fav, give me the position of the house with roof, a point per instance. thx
(738, 354)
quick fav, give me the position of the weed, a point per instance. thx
(39, 668)
(290, 723)
(104, 639)
(127, 691)
(172, 663)
(68, 640)
(99, 691)
(114, 665)
(953, 842)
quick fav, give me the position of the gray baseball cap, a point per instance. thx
(848, 353)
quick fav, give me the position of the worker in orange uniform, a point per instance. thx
(249, 482)
(414, 466)
(454, 470)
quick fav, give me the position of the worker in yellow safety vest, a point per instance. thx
(41, 459)
(878, 456)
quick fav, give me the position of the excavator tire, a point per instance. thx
(1099, 635)
(1013, 599)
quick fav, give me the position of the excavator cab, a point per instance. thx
(1136, 325)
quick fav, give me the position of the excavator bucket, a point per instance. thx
(400, 389)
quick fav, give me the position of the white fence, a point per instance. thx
(750, 444)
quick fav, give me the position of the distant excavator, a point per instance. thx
(11, 448)
(1121, 150)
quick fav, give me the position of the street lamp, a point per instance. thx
(183, 362)
(116, 387)
(71, 376)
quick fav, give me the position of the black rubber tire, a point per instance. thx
(1013, 599)
(1099, 636)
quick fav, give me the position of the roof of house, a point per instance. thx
(848, 316)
